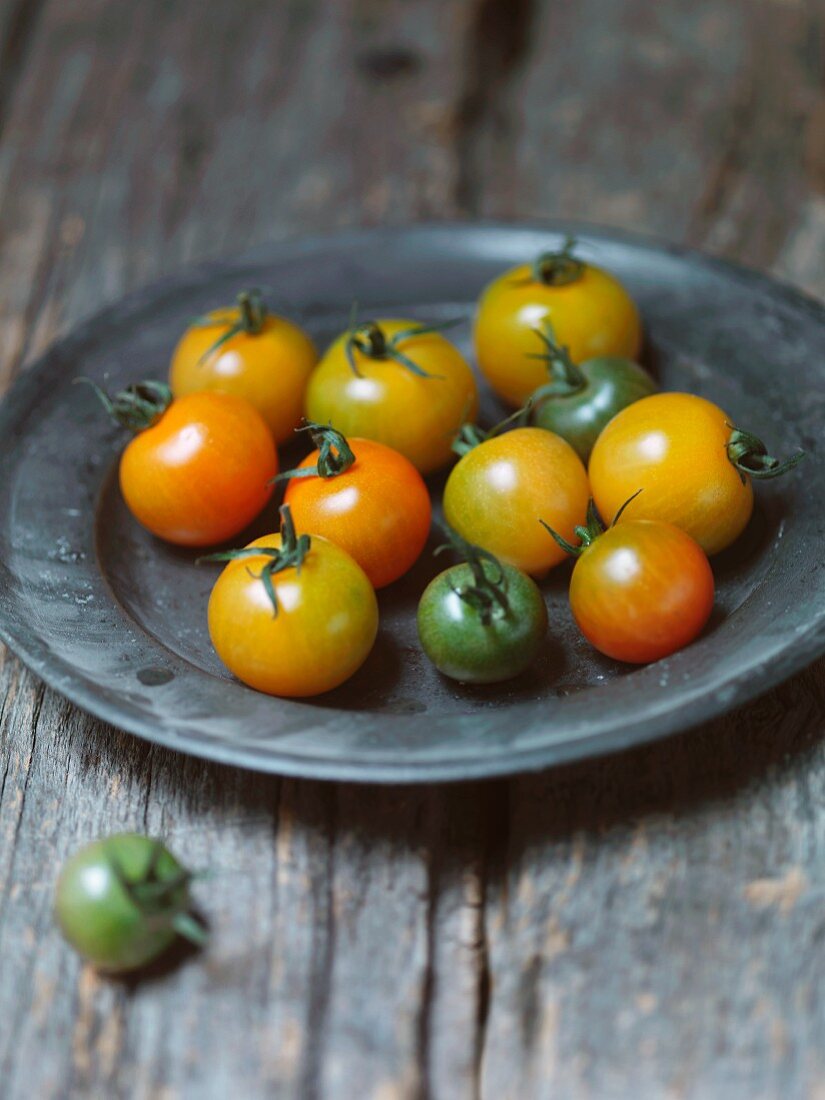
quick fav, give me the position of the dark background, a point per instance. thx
(647, 926)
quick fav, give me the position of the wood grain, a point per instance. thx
(648, 925)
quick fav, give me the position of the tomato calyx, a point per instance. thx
(370, 340)
(162, 901)
(487, 594)
(750, 456)
(137, 407)
(589, 531)
(566, 378)
(558, 268)
(252, 315)
(470, 436)
(289, 555)
(335, 455)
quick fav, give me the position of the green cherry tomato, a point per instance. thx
(477, 638)
(122, 900)
(580, 399)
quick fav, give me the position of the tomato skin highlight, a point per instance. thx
(593, 316)
(270, 368)
(613, 383)
(416, 416)
(97, 916)
(201, 473)
(673, 446)
(323, 632)
(641, 591)
(462, 646)
(497, 492)
(378, 509)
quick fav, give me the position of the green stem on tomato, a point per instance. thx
(334, 453)
(487, 593)
(589, 531)
(252, 315)
(566, 377)
(559, 268)
(749, 455)
(190, 928)
(159, 899)
(137, 407)
(370, 340)
(289, 555)
(470, 436)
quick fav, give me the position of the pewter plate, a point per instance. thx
(115, 620)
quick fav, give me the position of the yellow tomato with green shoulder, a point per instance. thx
(588, 309)
(292, 615)
(247, 351)
(505, 484)
(399, 382)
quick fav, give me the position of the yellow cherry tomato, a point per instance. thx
(310, 632)
(498, 492)
(589, 310)
(249, 352)
(398, 382)
(693, 467)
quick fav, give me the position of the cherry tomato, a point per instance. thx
(590, 311)
(481, 622)
(579, 400)
(250, 353)
(121, 901)
(398, 382)
(496, 493)
(364, 497)
(694, 467)
(640, 590)
(292, 616)
(199, 469)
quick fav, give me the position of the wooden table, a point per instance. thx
(650, 925)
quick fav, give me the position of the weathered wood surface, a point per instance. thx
(651, 925)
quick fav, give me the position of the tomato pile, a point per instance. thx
(640, 487)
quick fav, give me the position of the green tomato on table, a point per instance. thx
(122, 900)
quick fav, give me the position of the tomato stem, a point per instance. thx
(162, 899)
(137, 407)
(190, 928)
(618, 515)
(749, 455)
(334, 453)
(252, 315)
(588, 532)
(470, 436)
(289, 555)
(565, 376)
(559, 268)
(370, 340)
(487, 594)
(252, 311)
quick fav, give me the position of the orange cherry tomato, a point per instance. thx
(589, 310)
(199, 469)
(310, 631)
(250, 353)
(370, 384)
(366, 498)
(641, 590)
(497, 492)
(694, 468)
